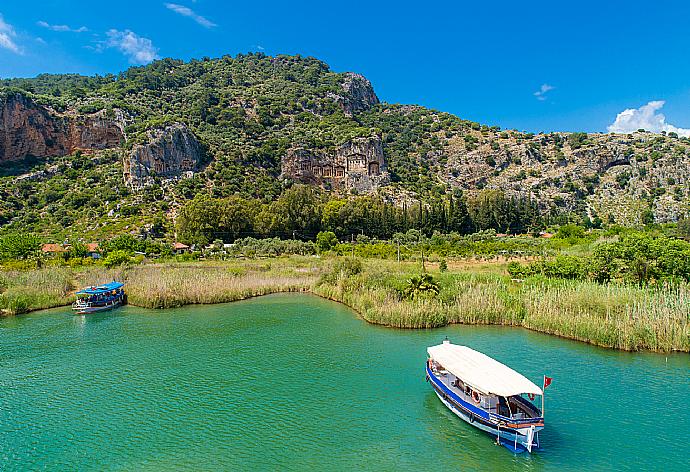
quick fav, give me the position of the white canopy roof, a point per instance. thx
(481, 371)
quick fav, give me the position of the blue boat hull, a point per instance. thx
(515, 439)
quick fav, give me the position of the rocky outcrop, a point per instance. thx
(358, 165)
(358, 94)
(29, 129)
(172, 151)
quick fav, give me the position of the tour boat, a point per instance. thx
(487, 394)
(100, 298)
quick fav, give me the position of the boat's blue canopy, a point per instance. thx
(101, 288)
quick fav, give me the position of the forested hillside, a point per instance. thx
(172, 145)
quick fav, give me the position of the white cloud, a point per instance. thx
(647, 118)
(7, 34)
(61, 28)
(543, 90)
(188, 12)
(139, 50)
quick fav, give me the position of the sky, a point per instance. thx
(536, 66)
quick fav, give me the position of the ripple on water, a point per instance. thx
(293, 382)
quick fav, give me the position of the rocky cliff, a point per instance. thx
(30, 129)
(264, 119)
(620, 178)
(358, 94)
(170, 152)
(359, 165)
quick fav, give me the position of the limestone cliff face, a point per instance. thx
(30, 129)
(170, 152)
(358, 164)
(616, 177)
(358, 94)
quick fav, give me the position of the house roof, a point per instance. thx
(92, 247)
(180, 246)
(50, 247)
(481, 371)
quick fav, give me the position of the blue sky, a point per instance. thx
(536, 66)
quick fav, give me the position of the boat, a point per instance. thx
(99, 298)
(487, 394)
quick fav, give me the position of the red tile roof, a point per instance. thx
(53, 248)
(180, 246)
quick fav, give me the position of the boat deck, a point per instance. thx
(516, 408)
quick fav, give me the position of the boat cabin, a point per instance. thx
(487, 394)
(100, 298)
(516, 406)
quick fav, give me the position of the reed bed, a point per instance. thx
(178, 285)
(617, 316)
(23, 291)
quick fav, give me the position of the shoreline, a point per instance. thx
(310, 291)
(614, 317)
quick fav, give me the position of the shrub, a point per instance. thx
(116, 258)
(421, 286)
(326, 240)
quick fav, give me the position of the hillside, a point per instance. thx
(102, 155)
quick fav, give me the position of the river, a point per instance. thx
(294, 382)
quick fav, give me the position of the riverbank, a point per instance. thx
(616, 316)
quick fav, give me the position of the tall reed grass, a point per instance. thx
(622, 317)
(618, 316)
(23, 291)
(173, 286)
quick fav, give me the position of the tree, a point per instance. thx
(572, 232)
(116, 258)
(78, 250)
(19, 246)
(297, 212)
(326, 240)
(422, 285)
(683, 228)
(331, 219)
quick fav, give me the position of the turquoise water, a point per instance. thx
(297, 382)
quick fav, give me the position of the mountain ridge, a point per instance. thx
(251, 113)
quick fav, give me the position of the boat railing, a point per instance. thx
(517, 421)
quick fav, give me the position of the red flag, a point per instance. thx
(547, 381)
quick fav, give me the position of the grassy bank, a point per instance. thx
(22, 291)
(617, 316)
(622, 317)
(165, 286)
(159, 285)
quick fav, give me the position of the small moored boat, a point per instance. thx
(100, 298)
(487, 394)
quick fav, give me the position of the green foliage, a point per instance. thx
(571, 232)
(78, 250)
(117, 258)
(19, 246)
(326, 240)
(561, 266)
(683, 228)
(577, 140)
(422, 285)
(271, 247)
(637, 258)
(443, 265)
(204, 219)
(491, 209)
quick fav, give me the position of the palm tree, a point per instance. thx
(423, 284)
